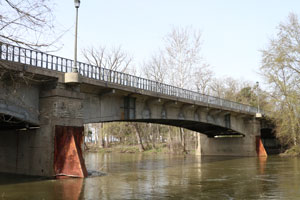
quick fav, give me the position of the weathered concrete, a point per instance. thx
(19, 100)
(32, 151)
(54, 103)
(233, 146)
(68, 159)
(26, 152)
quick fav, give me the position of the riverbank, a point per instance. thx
(160, 148)
(126, 149)
(291, 152)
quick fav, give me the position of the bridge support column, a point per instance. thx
(62, 110)
(55, 147)
(68, 159)
(234, 146)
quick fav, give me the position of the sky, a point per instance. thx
(233, 31)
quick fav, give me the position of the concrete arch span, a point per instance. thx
(210, 130)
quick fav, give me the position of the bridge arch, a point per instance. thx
(206, 120)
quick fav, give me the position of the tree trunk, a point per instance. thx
(198, 150)
(183, 143)
(86, 131)
(138, 137)
(105, 138)
(100, 135)
(153, 136)
(160, 138)
(171, 147)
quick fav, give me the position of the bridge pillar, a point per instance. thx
(234, 146)
(61, 113)
(55, 147)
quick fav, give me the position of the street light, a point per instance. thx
(257, 87)
(73, 77)
(258, 114)
(77, 3)
(75, 68)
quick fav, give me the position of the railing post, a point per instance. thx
(19, 58)
(13, 54)
(100, 73)
(51, 62)
(1, 50)
(6, 52)
(62, 64)
(42, 59)
(78, 67)
(56, 67)
(46, 61)
(30, 58)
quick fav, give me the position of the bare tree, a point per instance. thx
(217, 88)
(203, 79)
(28, 23)
(138, 136)
(183, 58)
(156, 68)
(182, 55)
(114, 58)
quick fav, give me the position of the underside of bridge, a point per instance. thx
(8, 122)
(210, 130)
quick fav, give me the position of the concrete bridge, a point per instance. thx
(43, 107)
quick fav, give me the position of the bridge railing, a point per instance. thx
(43, 60)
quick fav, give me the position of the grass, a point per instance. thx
(160, 148)
(292, 152)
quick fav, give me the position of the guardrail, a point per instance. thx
(43, 60)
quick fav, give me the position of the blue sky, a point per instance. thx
(233, 30)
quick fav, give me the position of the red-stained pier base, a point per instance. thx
(68, 159)
(260, 149)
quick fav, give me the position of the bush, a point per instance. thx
(292, 152)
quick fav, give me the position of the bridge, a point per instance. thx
(43, 106)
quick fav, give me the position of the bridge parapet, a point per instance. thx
(55, 63)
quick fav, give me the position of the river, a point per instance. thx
(163, 176)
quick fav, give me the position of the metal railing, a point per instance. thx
(43, 60)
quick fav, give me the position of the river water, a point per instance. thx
(151, 176)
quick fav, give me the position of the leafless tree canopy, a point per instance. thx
(203, 78)
(179, 61)
(183, 48)
(114, 58)
(156, 68)
(26, 22)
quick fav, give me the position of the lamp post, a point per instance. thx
(73, 77)
(257, 93)
(75, 68)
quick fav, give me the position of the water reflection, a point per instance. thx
(262, 164)
(141, 176)
(69, 188)
(25, 187)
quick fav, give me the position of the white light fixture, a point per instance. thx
(77, 3)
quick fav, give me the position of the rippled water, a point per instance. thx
(142, 176)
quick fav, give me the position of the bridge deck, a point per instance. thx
(101, 75)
